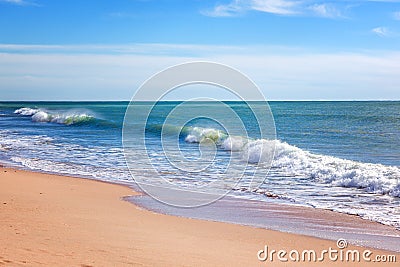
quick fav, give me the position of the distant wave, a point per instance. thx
(26, 111)
(292, 161)
(68, 117)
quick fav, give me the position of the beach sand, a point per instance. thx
(50, 220)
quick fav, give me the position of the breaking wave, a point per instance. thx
(68, 117)
(199, 135)
(291, 161)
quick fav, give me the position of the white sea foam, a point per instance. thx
(374, 178)
(199, 135)
(290, 160)
(41, 116)
(234, 143)
(26, 111)
(67, 117)
(105, 174)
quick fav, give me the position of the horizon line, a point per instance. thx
(223, 100)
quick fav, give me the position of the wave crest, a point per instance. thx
(199, 135)
(67, 117)
(26, 111)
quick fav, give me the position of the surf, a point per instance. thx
(68, 117)
(291, 161)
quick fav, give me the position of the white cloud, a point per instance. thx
(381, 31)
(228, 10)
(326, 10)
(281, 7)
(238, 7)
(79, 72)
(153, 49)
(321, 8)
(18, 2)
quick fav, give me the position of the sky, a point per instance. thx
(293, 50)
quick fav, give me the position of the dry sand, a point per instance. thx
(50, 220)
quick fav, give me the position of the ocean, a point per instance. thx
(340, 156)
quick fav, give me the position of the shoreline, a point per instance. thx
(52, 219)
(289, 218)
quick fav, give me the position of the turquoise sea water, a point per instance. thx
(343, 156)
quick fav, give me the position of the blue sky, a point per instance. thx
(304, 49)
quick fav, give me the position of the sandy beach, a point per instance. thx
(50, 220)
